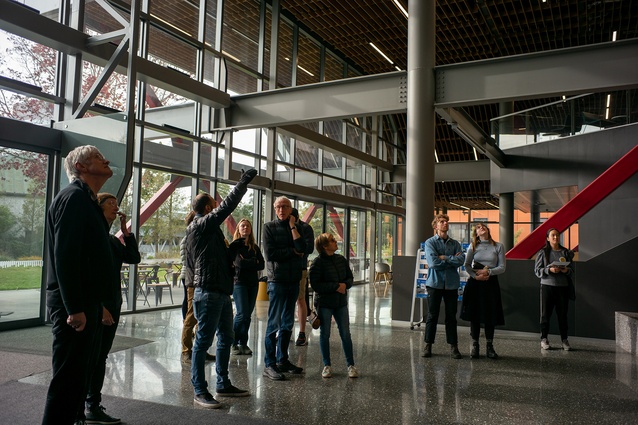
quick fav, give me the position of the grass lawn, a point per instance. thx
(12, 278)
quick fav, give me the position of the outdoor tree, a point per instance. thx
(35, 64)
(6, 223)
(166, 225)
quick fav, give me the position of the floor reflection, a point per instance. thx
(595, 383)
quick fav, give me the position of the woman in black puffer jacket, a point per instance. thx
(247, 262)
(331, 277)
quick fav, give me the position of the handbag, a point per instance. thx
(313, 319)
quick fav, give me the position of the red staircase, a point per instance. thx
(586, 199)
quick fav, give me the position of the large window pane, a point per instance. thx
(359, 244)
(333, 68)
(306, 156)
(171, 52)
(240, 36)
(22, 217)
(162, 227)
(284, 55)
(332, 164)
(335, 225)
(308, 61)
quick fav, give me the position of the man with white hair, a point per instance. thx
(78, 262)
(284, 248)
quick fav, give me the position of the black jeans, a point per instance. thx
(554, 297)
(450, 297)
(71, 358)
(105, 337)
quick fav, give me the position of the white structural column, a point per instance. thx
(419, 199)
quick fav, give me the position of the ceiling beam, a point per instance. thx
(575, 70)
(463, 125)
(360, 96)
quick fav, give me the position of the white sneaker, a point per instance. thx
(545, 344)
(566, 345)
(352, 372)
(327, 372)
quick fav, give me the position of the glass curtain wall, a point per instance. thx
(175, 150)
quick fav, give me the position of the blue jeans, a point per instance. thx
(450, 297)
(214, 312)
(245, 298)
(342, 318)
(281, 318)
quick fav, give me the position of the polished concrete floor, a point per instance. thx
(593, 384)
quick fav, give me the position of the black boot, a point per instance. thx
(474, 353)
(96, 414)
(489, 350)
(427, 350)
(454, 352)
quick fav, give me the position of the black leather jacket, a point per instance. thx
(206, 251)
(283, 264)
(325, 274)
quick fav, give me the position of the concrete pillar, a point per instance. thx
(506, 220)
(419, 199)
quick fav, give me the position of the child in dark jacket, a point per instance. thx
(331, 277)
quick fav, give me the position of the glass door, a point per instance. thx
(23, 195)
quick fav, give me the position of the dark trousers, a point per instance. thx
(450, 297)
(554, 297)
(71, 358)
(105, 336)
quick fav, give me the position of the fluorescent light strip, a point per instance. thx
(231, 56)
(306, 71)
(401, 8)
(171, 25)
(475, 154)
(613, 36)
(302, 68)
(397, 68)
(381, 53)
(489, 203)
(465, 208)
(607, 108)
(436, 157)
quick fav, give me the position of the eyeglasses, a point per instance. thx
(109, 201)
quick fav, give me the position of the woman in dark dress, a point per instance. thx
(484, 261)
